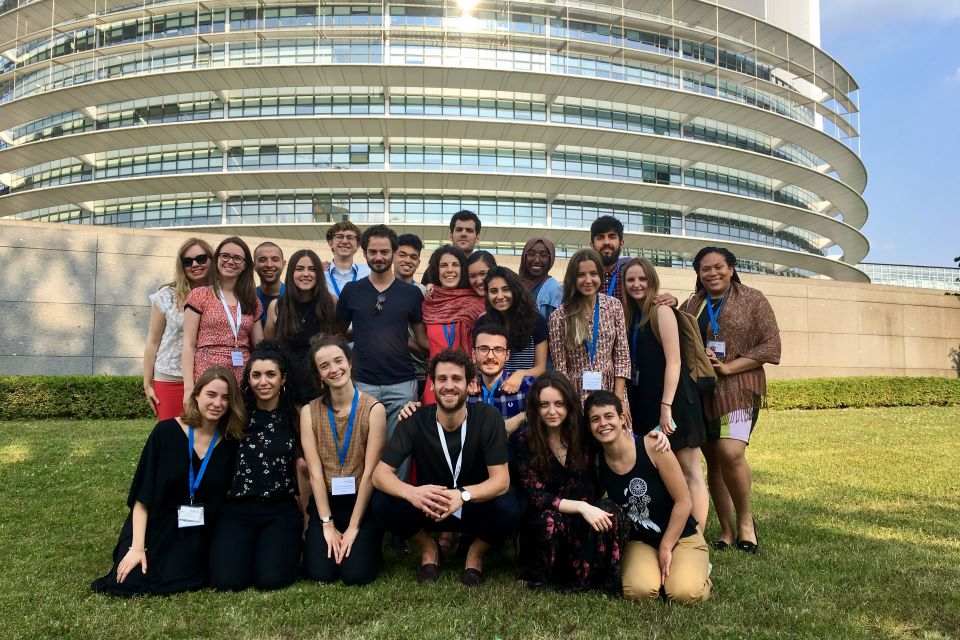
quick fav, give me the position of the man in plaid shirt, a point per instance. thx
(490, 353)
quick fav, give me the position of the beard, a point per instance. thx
(610, 260)
(458, 403)
(379, 267)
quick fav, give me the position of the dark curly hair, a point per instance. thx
(433, 267)
(521, 318)
(572, 431)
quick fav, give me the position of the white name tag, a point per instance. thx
(236, 357)
(458, 514)
(592, 381)
(719, 348)
(189, 516)
(344, 486)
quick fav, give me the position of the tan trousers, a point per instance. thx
(689, 579)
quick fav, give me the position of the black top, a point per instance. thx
(486, 445)
(649, 363)
(266, 457)
(382, 355)
(644, 498)
(309, 327)
(545, 491)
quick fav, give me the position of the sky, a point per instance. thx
(907, 63)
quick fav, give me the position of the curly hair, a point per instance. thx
(521, 318)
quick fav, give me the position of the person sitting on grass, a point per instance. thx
(666, 551)
(178, 488)
(463, 483)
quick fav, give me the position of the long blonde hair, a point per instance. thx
(234, 419)
(181, 283)
(574, 302)
(630, 306)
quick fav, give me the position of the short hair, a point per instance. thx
(601, 398)
(410, 240)
(272, 351)
(456, 357)
(267, 243)
(379, 231)
(344, 225)
(606, 224)
(464, 215)
(491, 329)
(728, 257)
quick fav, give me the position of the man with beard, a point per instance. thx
(491, 350)
(606, 238)
(463, 483)
(342, 238)
(382, 310)
(268, 263)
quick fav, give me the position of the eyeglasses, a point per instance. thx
(187, 262)
(229, 257)
(345, 236)
(497, 351)
(380, 300)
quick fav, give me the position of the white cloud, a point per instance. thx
(854, 15)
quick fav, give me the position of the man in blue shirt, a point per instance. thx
(343, 238)
(268, 262)
(606, 238)
(490, 354)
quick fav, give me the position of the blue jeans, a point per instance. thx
(393, 397)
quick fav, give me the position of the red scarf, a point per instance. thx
(444, 306)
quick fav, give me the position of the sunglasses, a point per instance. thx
(188, 262)
(380, 300)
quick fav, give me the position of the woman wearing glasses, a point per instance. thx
(162, 373)
(220, 321)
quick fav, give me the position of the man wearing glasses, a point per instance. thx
(342, 238)
(490, 354)
(382, 310)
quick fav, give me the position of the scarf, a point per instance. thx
(529, 281)
(444, 306)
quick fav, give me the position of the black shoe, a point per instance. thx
(471, 577)
(429, 572)
(720, 545)
(750, 547)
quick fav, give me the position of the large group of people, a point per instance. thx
(338, 402)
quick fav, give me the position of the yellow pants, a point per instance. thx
(689, 579)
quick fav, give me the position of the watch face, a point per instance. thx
(465, 495)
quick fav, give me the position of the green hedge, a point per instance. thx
(92, 397)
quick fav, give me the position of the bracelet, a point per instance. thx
(667, 404)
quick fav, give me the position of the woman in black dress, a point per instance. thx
(569, 537)
(305, 310)
(177, 491)
(661, 392)
(257, 538)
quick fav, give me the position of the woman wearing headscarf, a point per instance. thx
(538, 257)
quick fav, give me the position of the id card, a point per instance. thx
(236, 358)
(189, 516)
(719, 347)
(343, 486)
(592, 381)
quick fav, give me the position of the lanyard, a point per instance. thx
(348, 434)
(193, 483)
(454, 471)
(612, 285)
(234, 324)
(489, 395)
(714, 314)
(592, 343)
(450, 334)
(333, 277)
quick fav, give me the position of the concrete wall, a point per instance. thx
(76, 303)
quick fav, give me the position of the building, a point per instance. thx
(906, 275)
(691, 121)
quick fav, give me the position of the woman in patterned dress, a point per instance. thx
(162, 373)
(257, 539)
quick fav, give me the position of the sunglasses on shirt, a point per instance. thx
(380, 300)
(187, 262)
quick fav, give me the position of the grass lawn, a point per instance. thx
(858, 512)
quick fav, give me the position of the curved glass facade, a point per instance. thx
(689, 130)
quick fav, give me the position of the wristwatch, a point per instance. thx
(326, 519)
(465, 495)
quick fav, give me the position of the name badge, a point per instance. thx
(719, 347)
(458, 514)
(592, 381)
(189, 516)
(344, 486)
(236, 357)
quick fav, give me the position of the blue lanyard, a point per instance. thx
(193, 483)
(450, 334)
(333, 277)
(592, 343)
(489, 395)
(714, 314)
(348, 435)
(612, 285)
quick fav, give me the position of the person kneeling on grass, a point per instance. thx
(665, 550)
(181, 481)
(257, 538)
(460, 455)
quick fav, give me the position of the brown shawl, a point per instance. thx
(749, 327)
(529, 281)
(443, 306)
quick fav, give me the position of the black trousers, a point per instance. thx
(256, 543)
(362, 565)
(492, 521)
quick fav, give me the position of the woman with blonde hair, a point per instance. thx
(162, 371)
(662, 393)
(178, 488)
